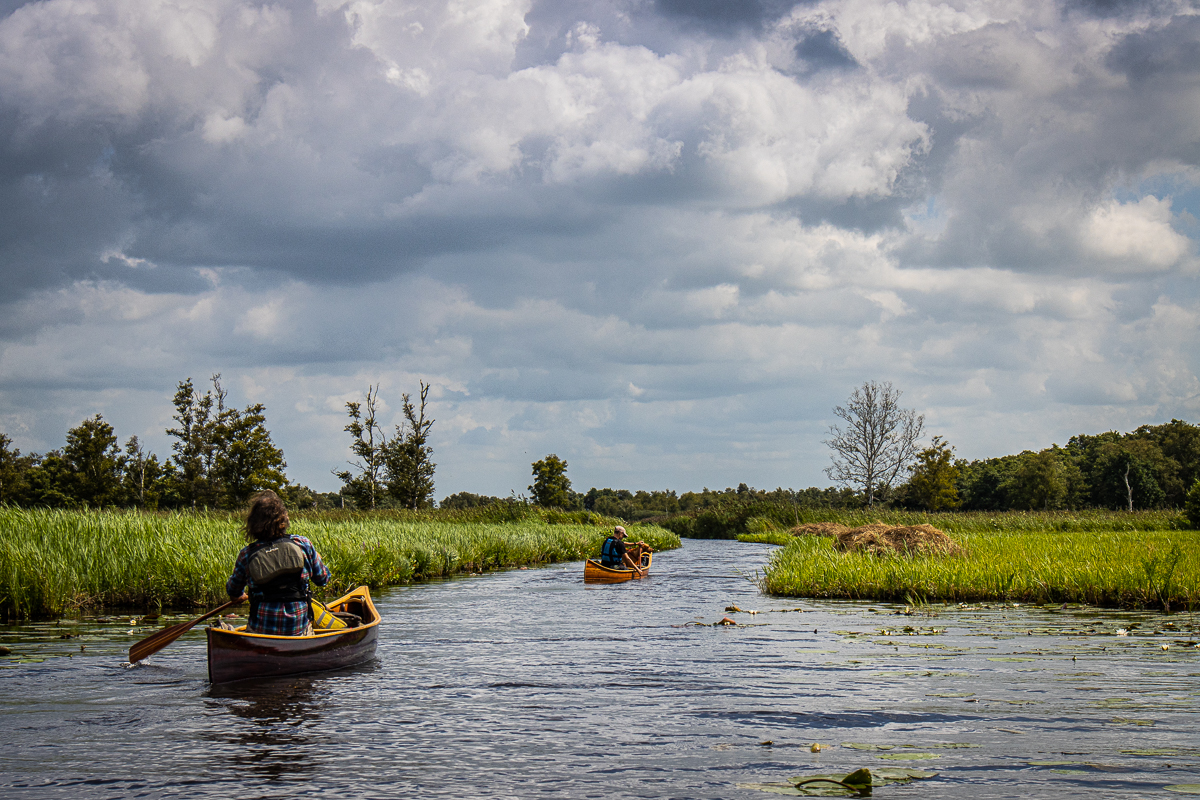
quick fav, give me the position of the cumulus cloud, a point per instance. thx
(629, 233)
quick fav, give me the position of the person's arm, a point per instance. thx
(318, 573)
(235, 587)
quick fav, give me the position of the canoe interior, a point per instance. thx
(595, 572)
(235, 655)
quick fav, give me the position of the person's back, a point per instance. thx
(276, 568)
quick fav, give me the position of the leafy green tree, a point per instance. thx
(13, 469)
(1128, 474)
(92, 457)
(50, 482)
(877, 442)
(934, 479)
(1191, 506)
(469, 500)
(551, 488)
(1038, 482)
(223, 455)
(364, 483)
(143, 477)
(193, 446)
(247, 461)
(409, 457)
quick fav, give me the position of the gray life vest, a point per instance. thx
(275, 560)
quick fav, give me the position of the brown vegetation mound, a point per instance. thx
(819, 529)
(879, 538)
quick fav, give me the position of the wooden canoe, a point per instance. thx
(595, 572)
(234, 655)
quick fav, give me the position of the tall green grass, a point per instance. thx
(56, 561)
(1124, 569)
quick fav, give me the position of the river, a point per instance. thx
(529, 684)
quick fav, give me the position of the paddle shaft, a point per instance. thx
(152, 644)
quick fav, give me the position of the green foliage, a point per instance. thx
(92, 457)
(469, 500)
(551, 488)
(1191, 507)
(54, 561)
(408, 457)
(223, 455)
(933, 484)
(1014, 563)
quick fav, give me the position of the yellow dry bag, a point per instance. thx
(324, 619)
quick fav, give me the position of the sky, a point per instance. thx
(661, 239)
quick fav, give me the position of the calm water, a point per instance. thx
(529, 684)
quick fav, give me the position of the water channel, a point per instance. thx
(529, 684)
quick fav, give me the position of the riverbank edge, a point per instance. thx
(1106, 569)
(55, 562)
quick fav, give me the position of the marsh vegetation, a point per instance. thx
(54, 561)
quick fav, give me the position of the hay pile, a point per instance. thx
(819, 529)
(878, 538)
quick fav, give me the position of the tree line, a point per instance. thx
(221, 456)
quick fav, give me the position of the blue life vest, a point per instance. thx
(612, 554)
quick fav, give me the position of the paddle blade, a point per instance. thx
(152, 644)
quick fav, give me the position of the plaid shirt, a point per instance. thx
(279, 619)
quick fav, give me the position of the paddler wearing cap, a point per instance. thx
(614, 552)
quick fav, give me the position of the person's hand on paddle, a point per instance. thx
(241, 599)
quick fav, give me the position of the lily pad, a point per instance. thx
(827, 784)
(1008, 658)
(868, 746)
(945, 746)
(909, 756)
(1184, 788)
(1158, 751)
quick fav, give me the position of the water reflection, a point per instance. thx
(531, 684)
(277, 727)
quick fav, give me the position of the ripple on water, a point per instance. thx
(529, 683)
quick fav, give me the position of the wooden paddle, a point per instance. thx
(152, 644)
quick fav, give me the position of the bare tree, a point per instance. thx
(878, 441)
(370, 445)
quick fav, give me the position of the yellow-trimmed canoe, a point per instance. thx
(235, 655)
(595, 572)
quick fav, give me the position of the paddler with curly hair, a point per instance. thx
(276, 566)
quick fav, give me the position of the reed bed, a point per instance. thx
(1120, 569)
(53, 561)
(1088, 520)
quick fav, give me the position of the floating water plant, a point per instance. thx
(857, 783)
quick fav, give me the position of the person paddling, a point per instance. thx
(613, 552)
(276, 566)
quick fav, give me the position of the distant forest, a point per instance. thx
(222, 455)
(1152, 467)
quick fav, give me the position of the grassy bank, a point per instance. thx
(732, 521)
(52, 562)
(1129, 568)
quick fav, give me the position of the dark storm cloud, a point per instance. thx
(1165, 54)
(823, 49)
(725, 17)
